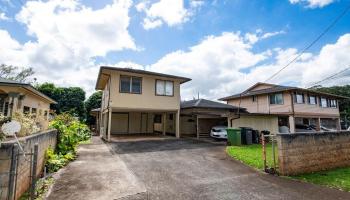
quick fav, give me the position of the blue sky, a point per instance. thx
(223, 45)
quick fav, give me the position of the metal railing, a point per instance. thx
(19, 164)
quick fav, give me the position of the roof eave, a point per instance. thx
(182, 79)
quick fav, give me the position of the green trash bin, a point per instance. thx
(234, 136)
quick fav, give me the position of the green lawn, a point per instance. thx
(252, 155)
(336, 178)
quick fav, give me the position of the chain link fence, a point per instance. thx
(22, 168)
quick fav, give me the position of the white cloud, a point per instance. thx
(68, 36)
(312, 3)
(211, 64)
(260, 35)
(271, 34)
(3, 17)
(226, 64)
(171, 12)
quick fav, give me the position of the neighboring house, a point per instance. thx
(138, 102)
(22, 97)
(272, 106)
(198, 116)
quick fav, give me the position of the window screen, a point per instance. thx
(276, 98)
(164, 88)
(136, 85)
(125, 84)
(130, 84)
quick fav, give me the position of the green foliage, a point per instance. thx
(29, 124)
(3, 119)
(336, 178)
(42, 187)
(94, 101)
(70, 133)
(252, 154)
(69, 99)
(54, 161)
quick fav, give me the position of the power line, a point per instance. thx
(312, 43)
(329, 77)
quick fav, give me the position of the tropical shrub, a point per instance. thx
(70, 133)
(29, 124)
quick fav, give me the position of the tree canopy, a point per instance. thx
(15, 73)
(69, 99)
(94, 101)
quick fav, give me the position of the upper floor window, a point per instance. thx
(333, 103)
(276, 98)
(164, 88)
(323, 102)
(299, 98)
(254, 98)
(312, 100)
(130, 84)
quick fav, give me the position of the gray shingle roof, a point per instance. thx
(139, 71)
(277, 88)
(204, 103)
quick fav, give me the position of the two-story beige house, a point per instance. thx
(272, 106)
(138, 102)
(24, 98)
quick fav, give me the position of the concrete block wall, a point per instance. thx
(44, 140)
(300, 153)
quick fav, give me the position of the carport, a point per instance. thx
(198, 116)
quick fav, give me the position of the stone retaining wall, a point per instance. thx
(300, 153)
(44, 140)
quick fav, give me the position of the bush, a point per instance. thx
(70, 133)
(28, 124)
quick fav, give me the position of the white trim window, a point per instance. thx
(312, 100)
(276, 98)
(164, 88)
(333, 103)
(130, 84)
(323, 102)
(299, 98)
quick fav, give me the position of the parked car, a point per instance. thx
(219, 132)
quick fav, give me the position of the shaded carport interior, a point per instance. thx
(132, 123)
(198, 116)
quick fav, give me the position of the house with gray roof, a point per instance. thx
(270, 107)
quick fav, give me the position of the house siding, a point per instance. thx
(147, 99)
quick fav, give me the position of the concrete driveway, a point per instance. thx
(191, 169)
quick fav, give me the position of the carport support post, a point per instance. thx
(177, 124)
(337, 121)
(291, 124)
(197, 127)
(164, 123)
(318, 124)
(109, 124)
